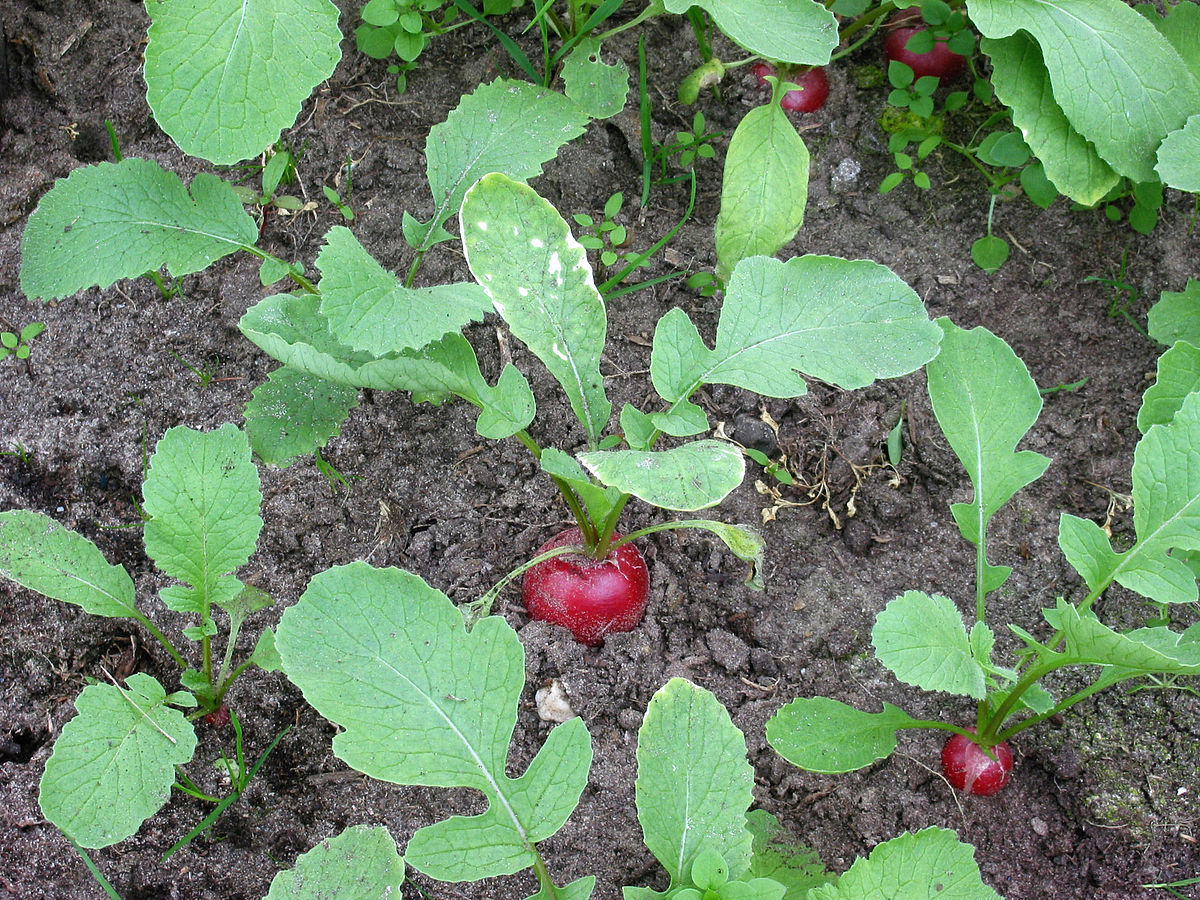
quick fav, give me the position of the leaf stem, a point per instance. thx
(478, 609)
(162, 639)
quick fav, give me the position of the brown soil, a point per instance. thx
(1105, 800)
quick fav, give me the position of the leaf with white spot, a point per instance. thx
(689, 477)
(294, 413)
(523, 254)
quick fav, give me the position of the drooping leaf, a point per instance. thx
(1132, 90)
(1166, 516)
(114, 763)
(921, 638)
(38, 553)
(225, 77)
(1178, 375)
(931, 863)
(422, 701)
(361, 862)
(985, 401)
(1022, 83)
(823, 735)
(694, 784)
(121, 220)
(843, 321)
(523, 254)
(505, 126)
(202, 495)
(765, 188)
(1148, 650)
(599, 88)
(692, 476)
(796, 867)
(803, 31)
(369, 309)
(1179, 156)
(1176, 315)
(293, 414)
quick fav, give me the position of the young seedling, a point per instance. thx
(18, 342)
(114, 764)
(984, 402)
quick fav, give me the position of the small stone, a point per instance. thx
(552, 703)
(1039, 827)
(728, 650)
(845, 176)
(629, 719)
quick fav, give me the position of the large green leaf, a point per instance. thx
(931, 863)
(692, 476)
(202, 495)
(1178, 375)
(114, 763)
(847, 322)
(505, 126)
(38, 553)
(523, 254)
(369, 309)
(824, 735)
(121, 220)
(294, 413)
(361, 862)
(1148, 650)
(422, 701)
(1179, 157)
(985, 401)
(1166, 516)
(1023, 84)
(225, 77)
(796, 31)
(765, 188)
(1121, 84)
(1176, 315)
(694, 784)
(922, 639)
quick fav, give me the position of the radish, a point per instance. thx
(968, 767)
(940, 62)
(814, 87)
(591, 597)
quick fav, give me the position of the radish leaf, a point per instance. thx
(1173, 318)
(689, 477)
(824, 735)
(803, 31)
(293, 413)
(1146, 650)
(599, 89)
(360, 862)
(1178, 375)
(921, 638)
(796, 867)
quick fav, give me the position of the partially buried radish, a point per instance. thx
(591, 597)
(939, 60)
(814, 87)
(968, 767)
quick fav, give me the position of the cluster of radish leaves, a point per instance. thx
(115, 762)
(985, 401)
(421, 699)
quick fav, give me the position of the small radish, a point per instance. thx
(968, 768)
(814, 87)
(940, 62)
(218, 718)
(591, 597)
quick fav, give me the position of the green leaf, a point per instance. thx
(1069, 160)
(121, 220)
(1178, 375)
(521, 251)
(422, 701)
(692, 476)
(1147, 650)
(293, 413)
(1133, 89)
(921, 638)
(225, 77)
(369, 309)
(597, 87)
(114, 763)
(694, 784)
(506, 126)
(1037, 186)
(360, 862)
(38, 553)
(846, 322)
(265, 656)
(794, 866)
(1176, 315)
(797, 32)
(598, 500)
(990, 252)
(823, 735)
(765, 188)
(202, 495)
(930, 863)
(1166, 516)
(985, 401)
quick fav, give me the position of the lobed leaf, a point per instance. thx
(422, 701)
(121, 220)
(225, 77)
(803, 31)
(294, 413)
(1146, 650)
(361, 862)
(823, 735)
(921, 638)
(537, 275)
(505, 126)
(114, 763)
(40, 554)
(693, 476)
(694, 784)
(1177, 375)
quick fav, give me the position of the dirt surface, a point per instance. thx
(1104, 800)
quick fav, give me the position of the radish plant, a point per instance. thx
(115, 763)
(985, 401)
